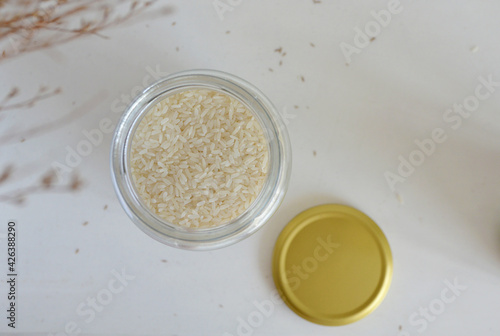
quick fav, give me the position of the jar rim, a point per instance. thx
(261, 209)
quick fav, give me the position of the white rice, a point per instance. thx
(199, 158)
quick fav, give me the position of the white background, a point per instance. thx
(358, 118)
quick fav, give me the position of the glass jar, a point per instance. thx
(259, 212)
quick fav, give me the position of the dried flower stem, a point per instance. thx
(30, 26)
(46, 185)
(44, 128)
(30, 102)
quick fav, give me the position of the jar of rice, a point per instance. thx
(200, 160)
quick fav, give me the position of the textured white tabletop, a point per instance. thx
(357, 108)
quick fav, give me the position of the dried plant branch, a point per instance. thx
(44, 128)
(42, 93)
(6, 173)
(44, 185)
(38, 24)
(47, 181)
(30, 25)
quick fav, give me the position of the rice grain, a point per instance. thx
(199, 158)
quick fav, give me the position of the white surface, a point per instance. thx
(445, 224)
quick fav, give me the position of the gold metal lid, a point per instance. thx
(332, 265)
